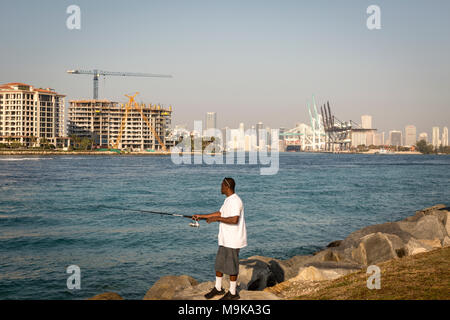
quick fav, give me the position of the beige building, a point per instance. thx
(423, 136)
(29, 115)
(101, 121)
(410, 135)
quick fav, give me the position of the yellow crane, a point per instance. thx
(128, 107)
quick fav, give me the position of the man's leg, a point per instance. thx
(233, 281)
(219, 276)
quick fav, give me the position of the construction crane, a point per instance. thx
(98, 73)
(130, 105)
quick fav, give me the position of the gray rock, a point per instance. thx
(254, 273)
(374, 248)
(334, 244)
(447, 223)
(198, 292)
(353, 240)
(428, 227)
(414, 247)
(445, 242)
(166, 287)
(290, 267)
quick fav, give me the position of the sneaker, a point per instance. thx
(214, 292)
(230, 296)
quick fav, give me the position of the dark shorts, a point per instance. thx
(227, 261)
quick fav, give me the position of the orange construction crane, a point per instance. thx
(132, 103)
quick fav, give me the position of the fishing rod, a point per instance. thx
(194, 224)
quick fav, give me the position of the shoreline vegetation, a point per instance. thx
(158, 153)
(412, 255)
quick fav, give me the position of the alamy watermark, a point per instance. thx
(374, 281)
(259, 147)
(374, 20)
(73, 21)
(74, 280)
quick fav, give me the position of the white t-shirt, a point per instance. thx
(232, 235)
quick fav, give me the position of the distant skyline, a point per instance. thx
(247, 61)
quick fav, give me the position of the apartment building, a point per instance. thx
(28, 115)
(101, 121)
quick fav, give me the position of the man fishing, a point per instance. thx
(232, 237)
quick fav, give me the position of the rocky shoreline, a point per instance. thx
(265, 278)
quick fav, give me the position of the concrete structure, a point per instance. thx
(366, 122)
(410, 135)
(211, 120)
(395, 138)
(259, 126)
(436, 142)
(31, 116)
(101, 120)
(444, 137)
(423, 136)
(378, 139)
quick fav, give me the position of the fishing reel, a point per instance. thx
(194, 224)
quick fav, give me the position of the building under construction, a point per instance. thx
(111, 124)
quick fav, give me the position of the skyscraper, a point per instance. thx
(435, 138)
(395, 138)
(410, 135)
(366, 122)
(259, 126)
(211, 120)
(444, 137)
(423, 136)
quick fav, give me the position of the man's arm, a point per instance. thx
(215, 216)
(229, 220)
(206, 216)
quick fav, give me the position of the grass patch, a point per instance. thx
(423, 276)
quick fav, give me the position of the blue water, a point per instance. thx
(52, 214)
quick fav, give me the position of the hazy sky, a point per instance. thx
(248, 61)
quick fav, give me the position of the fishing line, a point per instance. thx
(194, 224)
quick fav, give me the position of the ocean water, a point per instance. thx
(53, 214)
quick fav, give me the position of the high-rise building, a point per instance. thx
(259, 126)
(378, 139)
(435, 137)
(101, 120)
(444, 137)
(31, 116)
(423, 136)
(211, 120)
(410, 135)
(395, 138)
(366, 122)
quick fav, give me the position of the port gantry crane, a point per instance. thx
(130, 105)
(98, 73)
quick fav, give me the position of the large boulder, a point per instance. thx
(434, 210)
(197, 292)
(290, 267)
(393, 228)
(447, 222)
(166, 287)
(428, 227)
(107, 296)
(310, 274)
(415, 246)
(254, 273)
(374, 248)
(446, 242)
